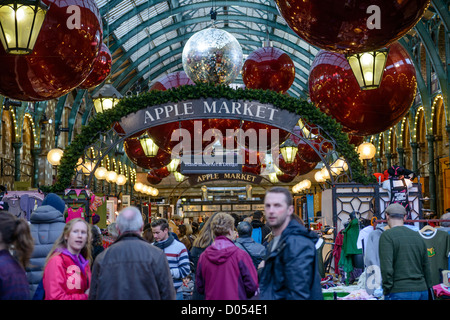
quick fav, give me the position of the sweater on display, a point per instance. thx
(438, 248)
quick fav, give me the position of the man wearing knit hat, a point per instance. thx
(403, 259)
(47, 224)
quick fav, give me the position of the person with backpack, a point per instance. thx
(260, 230)
(245, 241)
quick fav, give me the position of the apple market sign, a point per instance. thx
(208, 108)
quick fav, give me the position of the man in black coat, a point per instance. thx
(131, 268)
(291, 266)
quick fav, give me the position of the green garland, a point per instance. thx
(103, 122)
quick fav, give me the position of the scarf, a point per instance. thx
(78, 259)
(164, 244)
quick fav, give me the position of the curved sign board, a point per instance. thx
(208, 108)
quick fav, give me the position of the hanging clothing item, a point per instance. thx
(372, 261)
(337, 251)
(95, 202)
(28, 204)
(398, 192)
(438, 249)
(349, 247)
(72, 214)
(14, 207)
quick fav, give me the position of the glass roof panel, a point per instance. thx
(251, 22)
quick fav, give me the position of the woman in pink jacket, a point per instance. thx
(67, 272)
(224, 271)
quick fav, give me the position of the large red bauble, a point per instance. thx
(334, 89)
(162, 135)
(161, 172)
(265, 136)
(308, 151)
(172, 80)
(286, 177)
(135, 153)
(287, 168)
(153, 179)
(226, 128)
(304, 167)
(62, 58)
(268, 68)
(346, 26)
(101, 69)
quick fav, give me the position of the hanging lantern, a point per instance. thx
(273, 177)
(318, 176)
(107, 97)
(366, 151)
(289, 150)
(100, 173)
(173, 165)
(368, 67)
(54, 156)
(20, 24)
(154, 192)
(87, 167)
(148, 146)
(121, 180)
(111, 176)
(325, 173)
(138, 186)
(178, 176)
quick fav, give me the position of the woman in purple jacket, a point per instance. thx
(225, 272)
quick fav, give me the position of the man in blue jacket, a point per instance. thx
(291, 266)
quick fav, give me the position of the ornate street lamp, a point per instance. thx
(288, 149)
(107, 97)
(368, 67)
(148, 146)
(20, 24)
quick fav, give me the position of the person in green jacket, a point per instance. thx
(403, 259)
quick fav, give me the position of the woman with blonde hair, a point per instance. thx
(67, 271)
(204, 239)
(239, 279)
(14, 233)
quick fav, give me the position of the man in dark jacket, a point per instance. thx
(291, 266)
(131, 268)
(245, 241)
(46, 224)
(260, 230)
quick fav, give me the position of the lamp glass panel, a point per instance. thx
(148, 146)
(289, 153)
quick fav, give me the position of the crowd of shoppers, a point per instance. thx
(223, 259)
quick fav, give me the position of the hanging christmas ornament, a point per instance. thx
(268, 68)
(212, 55)
(351, 26)
(172, 80)
(101, 69)
(63, 56)
(334, 89)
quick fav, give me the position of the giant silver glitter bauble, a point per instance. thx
(212, 55)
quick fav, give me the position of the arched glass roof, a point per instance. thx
(146, 37)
